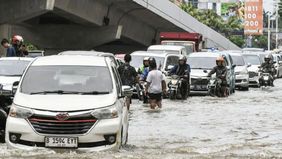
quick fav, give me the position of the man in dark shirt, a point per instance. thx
(128, 75)
(221, 71)
(11, 52)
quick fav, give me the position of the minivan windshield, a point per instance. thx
(67, 79)
(252, 59)
(238, 60)
(137, 60)
(201, 62)
(12, 67)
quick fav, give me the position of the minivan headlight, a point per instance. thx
(105, 113)
(20, 112)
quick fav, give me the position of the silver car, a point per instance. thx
(201, 64)
(254, 60)
(241, 71)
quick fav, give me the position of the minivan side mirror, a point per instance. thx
(249, 65)
(126, 91)
(280, 62)
(233, 66)
(15, 87)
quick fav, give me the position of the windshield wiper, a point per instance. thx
(56, 92)
(94, 93)
(69, 92)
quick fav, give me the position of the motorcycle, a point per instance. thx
(5, 103)
(173, 87)
(215, 87)
(142, 87)
(265, 78)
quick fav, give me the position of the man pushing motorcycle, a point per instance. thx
(221, 72)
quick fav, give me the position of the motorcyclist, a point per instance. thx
(221, 72)
(144, 69)
(268, 67)
(183, 70)
(17, 42)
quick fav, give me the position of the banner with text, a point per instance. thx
(253, 24)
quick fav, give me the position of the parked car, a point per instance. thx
(174, 49)
(58, 105)
(92, 53)
(201, 64)
(241, 71)
(254, 61)
(35, 53)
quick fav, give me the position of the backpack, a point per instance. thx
(126, 75)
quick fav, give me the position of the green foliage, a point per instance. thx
(260, 41)
(238, 40)
(216, 22)
(30, 46)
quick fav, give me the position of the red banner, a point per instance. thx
(253, 24)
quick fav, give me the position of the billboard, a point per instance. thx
(253, 24)
(233, 9)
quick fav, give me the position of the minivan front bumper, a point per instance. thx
(21, 134)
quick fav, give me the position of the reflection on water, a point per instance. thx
(246, 124)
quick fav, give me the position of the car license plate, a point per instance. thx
(61, 142)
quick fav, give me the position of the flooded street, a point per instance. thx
(244, 125)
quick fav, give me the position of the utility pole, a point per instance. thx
(268, 31)
(277, 17)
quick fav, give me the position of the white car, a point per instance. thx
(69, 102)
(241, 71)
(254, 61)
(11, 70)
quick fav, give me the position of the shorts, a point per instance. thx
(155, 96)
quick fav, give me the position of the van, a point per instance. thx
(60, 102)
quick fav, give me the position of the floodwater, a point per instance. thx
(247, 124)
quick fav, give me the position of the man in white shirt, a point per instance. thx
(155, 85)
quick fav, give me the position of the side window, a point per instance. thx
(226, 61)
(231, 60)
(117, 79)
(171, 60)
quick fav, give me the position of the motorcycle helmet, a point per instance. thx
(17, 39)
(182, 57)
(268, 58)
(219, 59)
(146, 61)
(152, 63)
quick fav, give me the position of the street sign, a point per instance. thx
(253, 24)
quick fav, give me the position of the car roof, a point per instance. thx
(253, 49)
(79, 60)
(17, 58)
(152, 54)
(165, 47)
(86, 53)
(235, 54)
(204, 54)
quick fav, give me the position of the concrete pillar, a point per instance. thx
(5, 32)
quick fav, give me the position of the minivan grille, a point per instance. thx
(51, 125)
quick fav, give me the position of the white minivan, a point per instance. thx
(70, 102)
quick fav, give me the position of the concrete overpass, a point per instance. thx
(107, 25)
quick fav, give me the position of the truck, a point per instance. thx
(193, 42)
